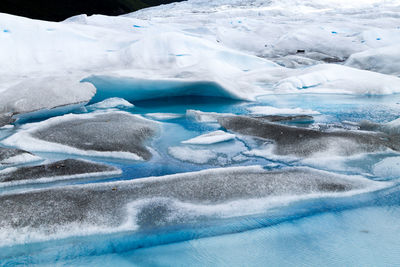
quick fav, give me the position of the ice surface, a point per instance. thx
(201, 116)
(163, 116)
(384, 60)
(116, 206)
(107, 134)
(60, 170)
(210, 138)
(303, 142)
(44, 93)
(229, 45)
(267, 110)
(10, 156)
(388, 168)
(198, 156)
(113, 102)
(332, 78)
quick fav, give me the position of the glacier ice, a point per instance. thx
(118, 206)
(210, 138)
(60, 170)
(107, 134)
(10, 156)
(304, 142)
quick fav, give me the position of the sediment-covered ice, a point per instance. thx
(210, 138)
(11, 156)
(158, 201)
(302, 142)
(60, 170)
(105, 134)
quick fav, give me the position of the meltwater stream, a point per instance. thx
(336, 225)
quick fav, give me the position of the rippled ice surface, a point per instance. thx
(355, 230)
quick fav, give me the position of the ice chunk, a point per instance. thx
(302, 142)
(201, 116)
(198, 156)
(268, 110)
(10, 156)
(114, 102)
(44, 93)
(164, 116)
(128, 205)
(60, 170)
(210, 138)
(107, 134)
(332, 78)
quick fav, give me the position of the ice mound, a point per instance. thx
(201, 116)
(60, 170)
(210, 138)
(302, 142)
(129, 205)
(384, 60)
(113, 102)
(268, 110)
(37, 94)
(11, 156)
(331, 78)
(198, 156)
(105, 134)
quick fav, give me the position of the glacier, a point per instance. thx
(225, 132)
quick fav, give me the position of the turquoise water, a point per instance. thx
(361, 230)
